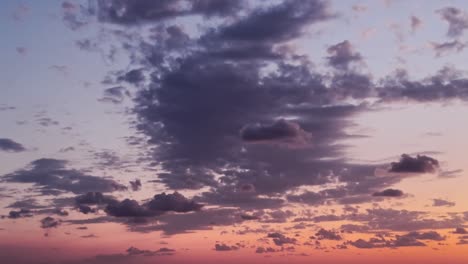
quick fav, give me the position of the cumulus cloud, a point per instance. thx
(8, 145)
(224, 247)
(280, 239)
(418, 164)
(324, 234)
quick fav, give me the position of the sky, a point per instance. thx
(234, 131)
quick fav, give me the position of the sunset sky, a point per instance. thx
(233, 131)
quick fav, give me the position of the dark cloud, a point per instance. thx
(460, 230)
(160, 203)
(85, 209)
(430, 235)
(172, 224)
(457, 20)
(224, 247)
(133, 251)
(280, 131)
(9, 145)
(52, 175)
(445, 85)
(324, 234)
(342, 55)
(277, 23)
(442, 202)
(389, 193)
(418, 164)
(381, 242)
(49, 222)
(92, 198)
(136, 185)
(175, 202)
(20, 213)
(129, 208)
(134, 76)
(280, 239)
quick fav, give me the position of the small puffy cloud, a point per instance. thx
(418, 164)
(224, 247)
(280, 239)
(324, 234)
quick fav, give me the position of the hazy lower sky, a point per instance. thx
(234, 131)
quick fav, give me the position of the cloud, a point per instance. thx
(448, 47)
(51, 175)
(114, 95)
(129, 208)
(280, 131)
(8, 145)
(416, 23)
(389, 193)
(442, 202)
(224, 247)
(144, 11)
(19, 214)
(430, 235)
(342, 55)
(460, 230)
(21, 50)
(136, 185)
(280, 239)
(94, 198)
(457, 20)
(173, 202)
(419, 164)
(49, 222)
(324, 234)
(160, 203)
(381, 242)
(261, 250)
